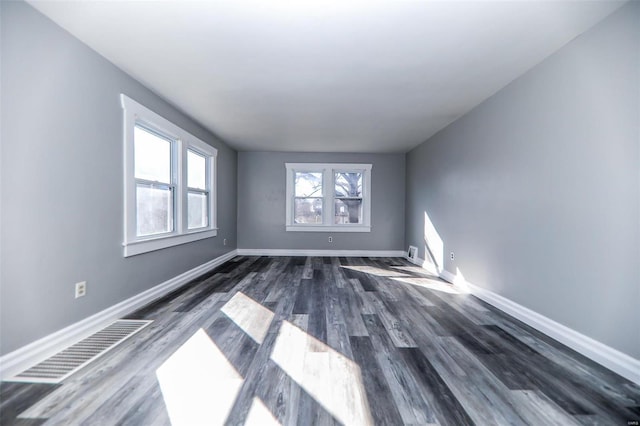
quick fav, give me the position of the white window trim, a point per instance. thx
(328, 170)
(133, 113)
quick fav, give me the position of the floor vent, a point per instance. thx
(65, 363)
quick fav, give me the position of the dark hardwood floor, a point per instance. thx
(297, 340)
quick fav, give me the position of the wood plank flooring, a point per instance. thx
(310, 340)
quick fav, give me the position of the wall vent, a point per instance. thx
(68, 361)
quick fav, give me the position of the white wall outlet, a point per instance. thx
(330, 239)
(81, 289)
(453, 256)
(224, 242)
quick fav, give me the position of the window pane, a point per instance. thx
(308, 184)
(196, 170)
(348, 211)
(348, 184)
(152, 156)
(154, 210)
(198, 216)
(308, 210)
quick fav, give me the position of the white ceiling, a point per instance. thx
(326, 76)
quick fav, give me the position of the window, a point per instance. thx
(168, 183)
(328, 197)
(198, 192)
(308, 198)
(155, 186)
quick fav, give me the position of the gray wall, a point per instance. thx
(62, 180)
(537, 190)
(261, 203)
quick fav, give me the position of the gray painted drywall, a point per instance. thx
(261, 203)
(537, 190)
(62, 183)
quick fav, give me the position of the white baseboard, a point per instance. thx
(33, 353)
(613, 359)
(321, 253)
(607, 356)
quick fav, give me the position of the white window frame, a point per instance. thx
(135, 113)
(207, 191)
(328, 196)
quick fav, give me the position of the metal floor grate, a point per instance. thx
(65, 363)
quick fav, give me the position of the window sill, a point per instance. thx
(329, 228)
(144, 246)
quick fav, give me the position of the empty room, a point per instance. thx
(313, 213)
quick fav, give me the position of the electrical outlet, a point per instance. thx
(330, 239)
(81, 289)
(453, 257)
(224, 242)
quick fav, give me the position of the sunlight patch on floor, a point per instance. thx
(379, 272)
(253, 318)
(259, 415)
(332, 379)
(431, 284)
(199, 385)
(414, 270)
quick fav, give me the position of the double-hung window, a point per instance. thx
(155, 182)
(198, 191)
(328, 197)
(169, 177)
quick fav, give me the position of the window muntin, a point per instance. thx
(169, 195)
(328, 197)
